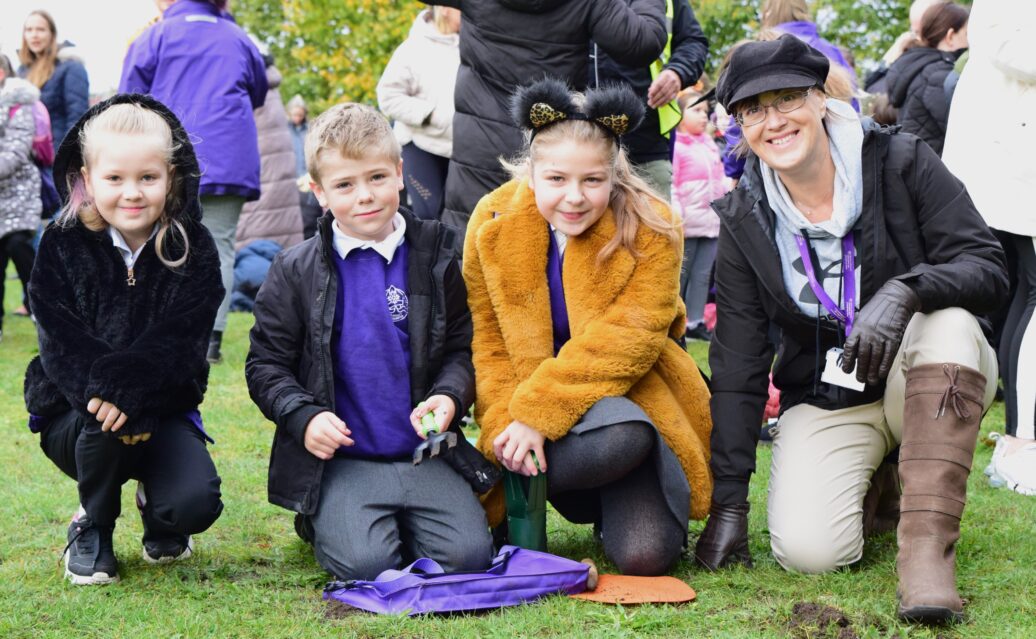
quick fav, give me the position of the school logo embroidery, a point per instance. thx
(398, 304)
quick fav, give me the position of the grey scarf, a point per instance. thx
(845, 135)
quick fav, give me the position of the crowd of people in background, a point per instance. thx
(943, 282)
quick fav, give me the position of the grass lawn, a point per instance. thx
(251, 577)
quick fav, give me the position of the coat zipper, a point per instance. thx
(131, 280)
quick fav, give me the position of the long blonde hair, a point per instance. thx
(632, 201)
(128, 119)
(776, 12)
(41, 67)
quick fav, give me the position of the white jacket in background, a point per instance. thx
(416, 89)
(991, 134)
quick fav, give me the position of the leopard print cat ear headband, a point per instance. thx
(616, 109)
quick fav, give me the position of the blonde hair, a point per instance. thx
(355, 130)
(776, 12)
(41, 67)
(686, 96)
(632, 201)
(439, 19)
(136, 120)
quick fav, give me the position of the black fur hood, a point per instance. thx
(69, 159)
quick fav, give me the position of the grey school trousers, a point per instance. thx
(219, 214)
(823, 460)
(377, 515)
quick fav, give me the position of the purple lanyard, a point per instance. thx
(849, 278)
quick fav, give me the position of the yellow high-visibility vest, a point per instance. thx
(669, 115)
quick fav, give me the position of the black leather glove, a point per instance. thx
(878, 332)
(725, 538)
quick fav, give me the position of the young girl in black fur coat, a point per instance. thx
(125, 289)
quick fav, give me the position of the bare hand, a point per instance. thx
(441, 406)
(898, 47)
(111, 418)
(325, 433)
(512, 448)
(664, 88)
(130, 440)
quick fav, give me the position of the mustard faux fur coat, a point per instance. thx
(622, 314)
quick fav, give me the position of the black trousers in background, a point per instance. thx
(16, 247)
(424, 175)
(1018, 369)
(311, 212)
(180, 481)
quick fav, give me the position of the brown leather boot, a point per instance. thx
(941, 417)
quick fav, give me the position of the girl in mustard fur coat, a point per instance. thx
(573, 272)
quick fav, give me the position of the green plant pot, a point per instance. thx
(526, 510)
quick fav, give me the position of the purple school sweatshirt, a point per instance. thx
(370, 352)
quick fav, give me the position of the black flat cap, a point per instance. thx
(758, 67)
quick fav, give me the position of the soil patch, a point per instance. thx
(813, 620)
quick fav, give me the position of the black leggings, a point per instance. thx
(607, 476)
(1018, 369)
(17, 247)
(424, 175)
(180, 481)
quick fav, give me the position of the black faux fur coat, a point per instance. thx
(141, 346)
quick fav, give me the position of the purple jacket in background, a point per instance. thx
(207, 71)
(733, 166)
(807, 32)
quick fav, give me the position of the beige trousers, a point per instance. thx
(823, 460)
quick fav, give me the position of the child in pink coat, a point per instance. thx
(698, 179)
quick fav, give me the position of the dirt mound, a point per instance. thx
(813, 620)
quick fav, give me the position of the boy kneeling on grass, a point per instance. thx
(352, 328)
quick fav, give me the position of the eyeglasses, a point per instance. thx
(786, 103)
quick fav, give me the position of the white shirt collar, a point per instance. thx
(129, 256)
(560, 238)
(386, 248)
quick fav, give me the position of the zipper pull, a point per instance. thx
(130, 280)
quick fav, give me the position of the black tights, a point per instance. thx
(607, 476)
(1018, 369)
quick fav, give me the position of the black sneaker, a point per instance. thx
(699, 333)
(164, 551)
(161, 551)
(89, 556)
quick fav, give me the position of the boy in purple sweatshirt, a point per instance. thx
(353, 328)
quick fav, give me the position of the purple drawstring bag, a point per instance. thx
(516, 576)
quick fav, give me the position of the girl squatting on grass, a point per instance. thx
(125, 289)
(573, 272)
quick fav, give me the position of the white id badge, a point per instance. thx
(833, 372)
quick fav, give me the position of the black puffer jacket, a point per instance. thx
(140, 346)
(509, 43)
(917, 86)
(688, 51)
(289, 368)
(918, 226)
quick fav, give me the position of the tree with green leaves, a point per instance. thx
(329, 51)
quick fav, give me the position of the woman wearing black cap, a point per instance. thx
(846, 236)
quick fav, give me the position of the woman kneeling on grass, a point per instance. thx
(124, 289)
(846, 235)
(573, 272)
